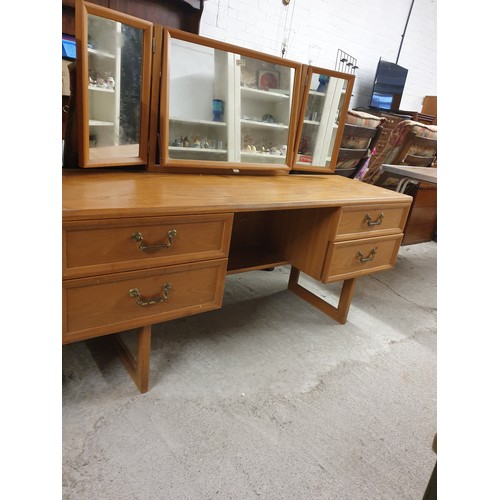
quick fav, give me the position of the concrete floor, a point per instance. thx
(266, 398)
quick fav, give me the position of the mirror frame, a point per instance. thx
(82, 10)
(211, 166)
(342, 118)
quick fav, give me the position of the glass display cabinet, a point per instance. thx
(323, 112)
(225, 107)
(113, 88)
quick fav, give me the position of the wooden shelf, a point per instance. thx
(253, 258)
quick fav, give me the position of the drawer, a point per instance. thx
(112, 303)
(101, 247)
(371, 220)
(351, 259)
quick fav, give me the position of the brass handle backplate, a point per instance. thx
(377, 222)
(141, 301)
(144, 248)
(369, 258)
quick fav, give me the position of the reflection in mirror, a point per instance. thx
(199, 108)
(319, 131)
(265, 104)
(114, 88)
(225, 106)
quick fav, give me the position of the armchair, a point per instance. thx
(410, 143)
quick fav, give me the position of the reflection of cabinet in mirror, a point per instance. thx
(323, 113)
(114, 83)
(225, 107)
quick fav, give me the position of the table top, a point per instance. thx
(427, 174)
(90, 194)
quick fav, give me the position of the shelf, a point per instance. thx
(263, 95)
(315, 92)
(252, 259)
(196, 150)
(262, 155)
(100, 123)
(101, 89)
(198, 122)
(254, 123)
(101, 53)
(311, 122)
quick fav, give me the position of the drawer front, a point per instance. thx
(101, 247)
(112, 303)
(374, 220)
(351, 259)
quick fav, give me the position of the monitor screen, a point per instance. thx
(388, 86)
(69, 47)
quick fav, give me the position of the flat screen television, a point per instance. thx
(68, 47)
(388, 86)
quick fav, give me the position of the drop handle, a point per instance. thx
(377, 222)
(145, 247)
(142, 301)
(369, 258)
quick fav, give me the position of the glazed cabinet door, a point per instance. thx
(225, 108)
(114, 80)
(321, 122)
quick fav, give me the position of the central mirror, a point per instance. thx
(225, 107)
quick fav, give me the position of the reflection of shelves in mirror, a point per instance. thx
(315, 92)
(101, 53)
(198, 122)
(100, 123)
(196, 150)
(263, 95)
(254, 123)
(101, 89)
(262, 155)
(311, 122)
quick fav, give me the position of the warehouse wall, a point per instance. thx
(314, 30)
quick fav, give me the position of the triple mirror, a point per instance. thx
(221, 108)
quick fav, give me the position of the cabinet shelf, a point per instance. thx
(101, 53)
(198, 122)
(311, 122)
(100, 123)
(101, 89)
(253, 258)
(254, 123)
(197, 150)
(263, 95)
(315, 92)
(261, 155)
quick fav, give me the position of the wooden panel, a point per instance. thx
(97, 247)
(422, 221)
(355, 222)
(343, 259)
(102, 305)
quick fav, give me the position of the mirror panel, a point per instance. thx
(116, 72)
(324, 111)
(225, 107)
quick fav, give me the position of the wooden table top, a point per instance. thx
(91, 194)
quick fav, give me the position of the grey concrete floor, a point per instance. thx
(266, 397)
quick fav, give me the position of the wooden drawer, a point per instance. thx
(345, 259)
(373, 220)
(101, 247)
(101, 305)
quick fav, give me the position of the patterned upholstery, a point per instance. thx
(395, 144)
(352, 142)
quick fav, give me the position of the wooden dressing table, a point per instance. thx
(142, 248)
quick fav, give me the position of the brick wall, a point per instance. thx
(365, 29)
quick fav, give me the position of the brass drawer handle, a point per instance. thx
(364, 259)
(144, 248)
(141, 301)
(377, 222)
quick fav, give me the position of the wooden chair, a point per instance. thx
(351, 159)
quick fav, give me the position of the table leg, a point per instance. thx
(338, 313)
(137, 367)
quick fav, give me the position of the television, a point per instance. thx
(388, 86)
(68, 47)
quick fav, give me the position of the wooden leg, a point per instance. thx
(338, 313)
(137, 367)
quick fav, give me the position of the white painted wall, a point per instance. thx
(365, 29)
